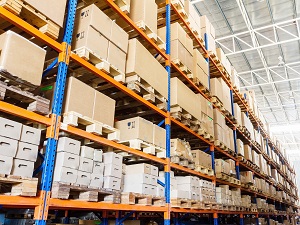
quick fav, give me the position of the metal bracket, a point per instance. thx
(64, 56)
(53, 130)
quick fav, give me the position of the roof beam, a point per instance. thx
(228, 43)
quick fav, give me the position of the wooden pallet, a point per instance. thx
(84, 193)
(17, 96)
(145, 147)
(135, 83)
(131, 198)
(223, 176)
(180, 203)
(77, 120)
(206, 135)
(220, 144)
(30, 15)
(185, 117)
(253, 209)
(182, 161)
(18, 186)
(100, 63)
(242, 159)
(218, 103)
(199, 84)
(187, 71)
(204, 170)
(122, 4)
(180, 8)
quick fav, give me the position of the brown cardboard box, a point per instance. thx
(178, 51)
(202, 158)
(135, 128)
(216, 88)
(221, 166)
(200, 61)
(231, 166)
(21, 58)
(119, 37)
(240, 147)
(116, 57)
(237, 114)
(221, 56)
(218, 132)
(144, 11)
(207, 27)
(56, 12)
(208, 123)
(255, 158)
(248, 152)
(179, 95)
(218, 118)
(104, 109)
(248, 176)
(159, 136)
(74, 101)
(206, 106)
(200, 68)
(142, 63)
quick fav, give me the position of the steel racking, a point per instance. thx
(43, 202)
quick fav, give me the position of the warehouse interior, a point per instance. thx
(149, 112)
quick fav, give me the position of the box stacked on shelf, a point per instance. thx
(246, 201)
(142, 178)
(93, 26)
(223, 59)
(142, 134)
(221, 91)
(208, 32)
(200, 69)
(207, 122)
(234, 78)
(246, 123)
(247, 177)
(181, 152)
(221, 166)
(202, 159)
(193, 17)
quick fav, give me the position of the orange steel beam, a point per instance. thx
(20, 112)
(8, 200)
(82, 205)
(104, 141)
(17, 21)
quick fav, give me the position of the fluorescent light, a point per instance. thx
(196, 1)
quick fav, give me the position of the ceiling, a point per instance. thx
(253, 34)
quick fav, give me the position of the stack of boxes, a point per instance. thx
(181, 148)
(142, 178)
(221, 166)
(200, 68)
(92, 26)
(246, 201)
(221, 90)
(139, 129)
(247, 124)
(113, 168)
(208, 32)
(223, 195)
(193, 17)
(206, 115)
(201, 158)
(18, 148)
(246, 177)
(181, 45)
(223, 59)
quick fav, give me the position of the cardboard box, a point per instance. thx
(154, 171)
(113, 170)
(55, 13)
(96, 180)
(64, 174)
(139, 178)
(98, 155)
(6, 163)
(202, 158)
(179, 194)
(140, 188)
(135, 128)
(159, 136)
(22, 168)
(221, 166)
(240, 147)
(70, 145)
(194, 181)
(216, 88)
(104, 109)
(10, 129)
(179, 95)
(219, 133)
(83, 178)
(98, 168)
(144, 12)
(248, 152)
(87, 152)
(141, 62)
(112, 183)
(27, 151)
(30, 58)
(207, 27)
(8, 147)
(66, 159)
(30, 135)
(116, 57)
(138, 168)
(112, 158)
(119, 37)
(86, 165)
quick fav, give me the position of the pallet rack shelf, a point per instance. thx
(43, 202)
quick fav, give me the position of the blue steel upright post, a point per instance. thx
(167, 214)
(41, 211)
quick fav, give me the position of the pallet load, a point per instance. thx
(223, 60)
(208, 30)
(203, 162)
(221, 95)
(124, 5)
(181, 48)
(47, 19)
(200, 71)
(247, 126)
(92, 26)
(92, 175)
(181, 153)
(219, 125)
(193, 18)
(207, 122)
(142, 134)
(16, 81)
(247, 177)
(227, 197)
(96, 112)
(238, 116)
(235, 79)
(246, 201)
(18, 153)
(140, 75)
(248, 153)
(141, 187)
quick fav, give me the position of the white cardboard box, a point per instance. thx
(160, 191)
(30, 135)
(66, 144)
(83, 178)
(9, 128)
(179, 194)
(112, 158)
(27, 151)
(8, 146)
(154, 170)
(96, 180)
(22, 168)
(113, 170)
(138, 168)
(112, 183)
(98, 168)
(140, 178)
(194, 181)
(86, 165)
(140, 188)
(98, 155)
(153, 180)
(64, 174)
(66, 159)
(87, 152)
(6, 164)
